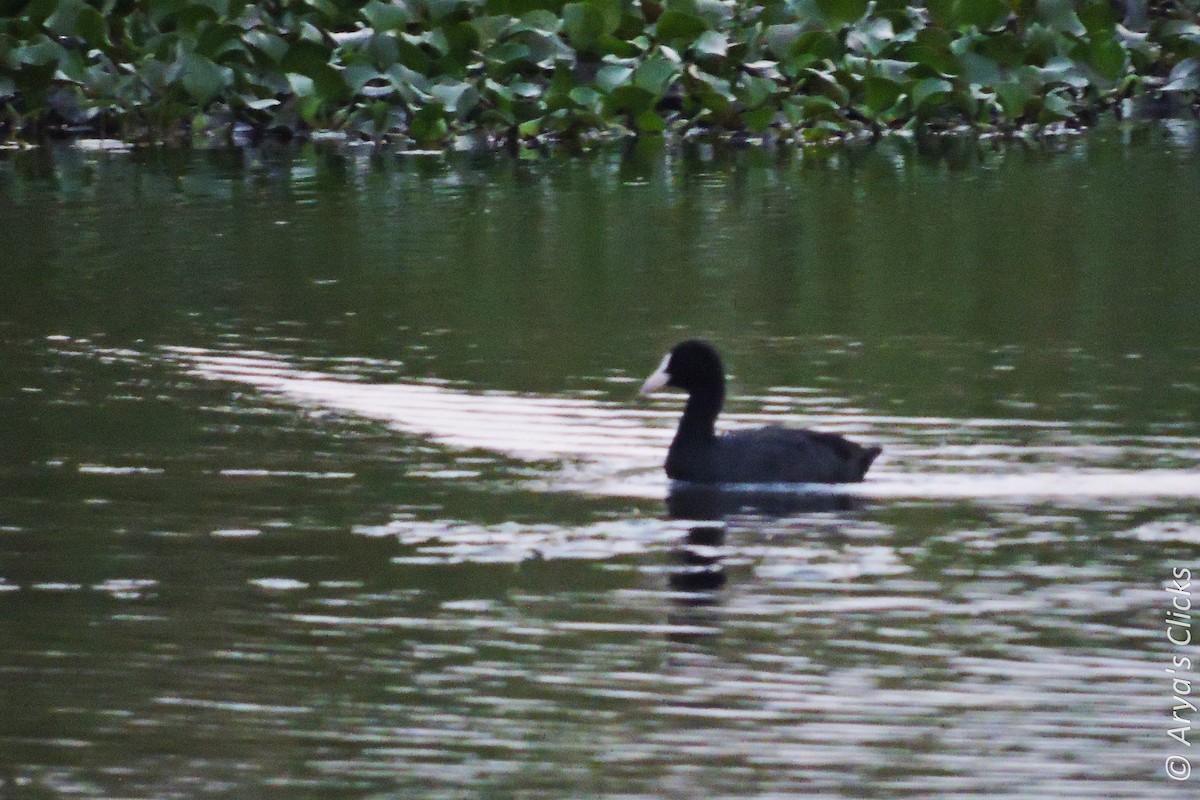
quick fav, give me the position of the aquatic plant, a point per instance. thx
(430, 72)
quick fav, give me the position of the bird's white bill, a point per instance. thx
(659, 379)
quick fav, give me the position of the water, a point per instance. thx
(324, 474)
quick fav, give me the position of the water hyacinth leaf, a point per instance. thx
(539, 19)
(526, 90)
(302, 85)
(983, 14)
(272, 46)
(872, 36)
(1184, 77)
(557, 95)
(509, 54)
(780, 38)
(1055, 107)
(1004, 48)
(650, 122)
(1107, 56)
(1014, 99)
(630, 99)
(1098, 17)
(754, 91)
(311, 60)
(759, 119)
(461, 40)
(987, 15)
(715, 12)
(218, 41)
(458, 98)
(711, 43)
(77, 18)
(612, 76)
(979, 70)
(1063, 70)
(585, 96)
(1060, 15)
(587, 23)
(656, 74)
(842, 11)
(542, 48)
(220, 7)
(764, 68)
(387, 16)
(677, 25)
(881, 93)
(358, 75)
(202, 78)
(930, 91)
(41, 52)
(428, 126)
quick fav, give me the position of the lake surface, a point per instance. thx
(323, 474)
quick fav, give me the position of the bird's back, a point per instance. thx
(789, 455)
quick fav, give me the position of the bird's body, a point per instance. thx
(763, 455)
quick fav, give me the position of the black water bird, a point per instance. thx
(763, 455)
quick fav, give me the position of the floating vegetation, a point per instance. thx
(469, 73)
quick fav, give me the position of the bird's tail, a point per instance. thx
(867, 457)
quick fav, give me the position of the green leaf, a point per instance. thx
(656, 74)
(77, 18)
(1184, 77)
(871, 36)
(1060, 15)
(930, 90)
(754, 91)
(42, 51)
(529, 129)
(612, 76)
(1055, 107)
(631, 99)
(588, 23)
(881, 94)
(457, 97)
(711, 43)
(302, 85)
(1107, 56)
(270, 45)
(979, 70)
(428, 126)
(650, 122)
(202, 78)
(387, 16)
(312, 61)
(585, 96)
(986, 15)
(842, 11)
(1014, 99)
(759, 119)
(780, 38)
(676, 25)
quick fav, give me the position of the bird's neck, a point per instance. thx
(700, 415)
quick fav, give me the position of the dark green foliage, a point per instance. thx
(515, 69)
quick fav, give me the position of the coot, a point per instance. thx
(762, 455)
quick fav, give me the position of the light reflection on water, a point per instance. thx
(970, 458)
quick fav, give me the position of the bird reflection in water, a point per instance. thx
(698, 572)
